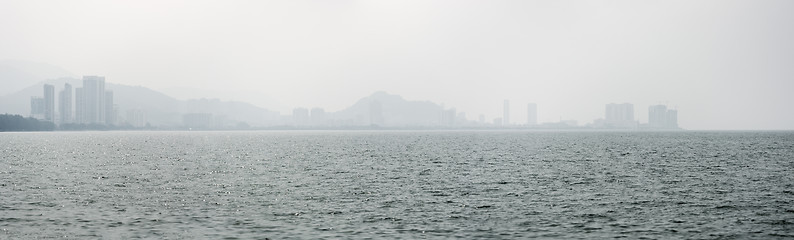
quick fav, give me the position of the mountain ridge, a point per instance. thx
(17, 74)
(379, 108)
(161, 109)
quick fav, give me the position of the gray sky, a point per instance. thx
(724, 64)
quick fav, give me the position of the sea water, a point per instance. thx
(397, 185)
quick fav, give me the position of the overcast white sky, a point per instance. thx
(724, 64)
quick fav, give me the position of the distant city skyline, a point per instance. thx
(100, 109)
(91, 104)
(65, 103)
(704, 58)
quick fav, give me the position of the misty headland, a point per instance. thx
(124, 107)
(411, 119)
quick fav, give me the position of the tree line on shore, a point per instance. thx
(10, 123)
(19, 123)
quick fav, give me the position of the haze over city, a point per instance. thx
(399, 119)
(721, 64)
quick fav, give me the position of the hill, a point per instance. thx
(160, 109)
(17, 75)
(390, 110)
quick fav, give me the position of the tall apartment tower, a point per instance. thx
(657, 116)
(532, 114)
(79, 106)
(318, 116)
(506, 113)
(300, 116)
(136, 117)
(37, 107)
(619, 115)
(49, 103)
(448, 117)
(619, 112)
(91, 100)
(661, 117)
(110, 113)
(672, 118)
(65, 103)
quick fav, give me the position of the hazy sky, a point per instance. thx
(723, 64)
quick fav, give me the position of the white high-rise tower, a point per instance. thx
(532, 114)
(506, 113)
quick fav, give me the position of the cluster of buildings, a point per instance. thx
(621, 116)
(659, 116)
(317, 117)
(92, 104)
(616, 116)
(43, 108)
(532, 115)
(89, 104)
(200, 120)
(304, 117)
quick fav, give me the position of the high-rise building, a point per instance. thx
(79, 106)
(65, 103)
(497, 122)
(657, 116)
(318, 116)
(532, 114)
(110, 113)
(37, 107)
(506, 113)
(197, 120)
(672, 118)
(661, 117)
(49, 103)
(619, 115)
(93, 100)
(300, 116)
(136, 117)
(448, 117)
(461, 118)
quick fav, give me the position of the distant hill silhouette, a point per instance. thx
(251, 95)
(16, 75)
(22, 80)
(233, 111)
(395, 112)
(160, 109)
